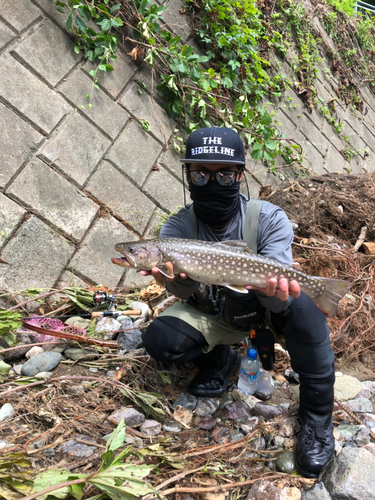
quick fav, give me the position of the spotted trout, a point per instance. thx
(227, 263)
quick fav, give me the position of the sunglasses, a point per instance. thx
(223, 178)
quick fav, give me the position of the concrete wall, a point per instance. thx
(74, 180)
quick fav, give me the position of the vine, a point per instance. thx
(232, 81)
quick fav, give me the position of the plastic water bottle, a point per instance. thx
(249, 371)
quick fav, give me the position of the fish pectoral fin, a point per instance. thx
(237, 288)
(296, 266)
(236, 243)
(166, 269)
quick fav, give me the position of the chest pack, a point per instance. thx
(238, 310)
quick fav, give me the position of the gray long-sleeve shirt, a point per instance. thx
(275, 236)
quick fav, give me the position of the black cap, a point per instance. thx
(214, 145)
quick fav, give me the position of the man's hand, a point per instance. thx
(158, 276)
(280, 289)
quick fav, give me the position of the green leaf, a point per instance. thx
(256, 154)
(76, 49)
(105, 24)
(227, 82)
(115, 7)
(69, 21)
(81, 25)
(271, 145)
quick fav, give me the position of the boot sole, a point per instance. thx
(218, 393)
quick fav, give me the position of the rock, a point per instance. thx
(44, 362)
(79, 450)
(346, 387)
(266, 410)
(3, 444)
(187, 400)
(249, 424)
(78, 321)
(19, 353)
(338, 447)
(291, 494)
(130, 416)
(221, 435)
(295, 392)
(348, 431)
(6, 411)
(317, 492)
(93, 370)
(142, 306)
(34, 351)
(171, 425)
(236, 435)
(151, 428)
(131, 338)
(368, 387)
(108, 326)
(362, 437)
(43, 375)
(238, 410)
(207, 423)
(17, 369)
(226, 399)
(264, 490)
(78, 390)
(250, 400)
(286, 462)
(206, 406)
(291, 376)
(183, 415)
(351, 476)
(370, 447)
(265, 386)
(369, 419)
(282, 395)
(75, 353)
(360, 405)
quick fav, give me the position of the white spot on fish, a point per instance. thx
(220, 268)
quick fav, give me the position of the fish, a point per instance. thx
(227, 263)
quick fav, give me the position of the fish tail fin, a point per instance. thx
(328, 301)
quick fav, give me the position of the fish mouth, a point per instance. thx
(125, 261)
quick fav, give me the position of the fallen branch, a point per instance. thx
(361, 239)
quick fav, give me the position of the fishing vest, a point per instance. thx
(250, 230)
(236, 309)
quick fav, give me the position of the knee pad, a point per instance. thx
(171, 339)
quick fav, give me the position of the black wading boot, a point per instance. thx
(316, 444)
(215, 371)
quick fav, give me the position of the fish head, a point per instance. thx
(139, 255)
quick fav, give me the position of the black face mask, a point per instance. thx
(214, 204)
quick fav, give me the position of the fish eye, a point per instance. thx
(131, 249)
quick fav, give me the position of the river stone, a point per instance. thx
(171, 425)
(43, 375)
(79, 450)
(131, 338)
(360, 405)
(78, 321)
(238, 410)
(151, 428)
(108, 326)
(236, 435)
(44, 362)
(250, 400)
(226, 399)
(264, 490)
(34, 351)
(142, 306)
(249, 424)
(6, 411)
(286, 462)
(351, 476)
(370, 447)
(266, 410)
(221, 435)
(75, 353)
(362, 437)
(3, 443)
(346, 387)
(187, 400)
(206, 406)
(291, 493)
(130, 416)
(288, 427)
(207, 423)
(348, 431)
(183, 415)
(317, 492)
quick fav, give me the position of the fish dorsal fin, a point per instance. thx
(166, 269)
(237, 288)
(236, 243)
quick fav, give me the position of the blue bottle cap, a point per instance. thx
(252, 354)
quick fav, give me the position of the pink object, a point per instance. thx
(53, 324)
